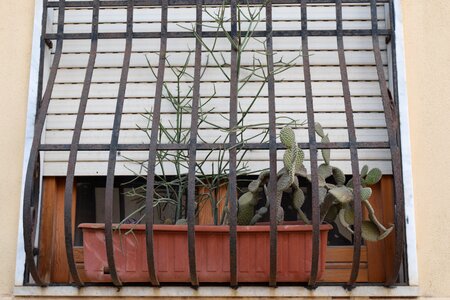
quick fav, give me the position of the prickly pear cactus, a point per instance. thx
(335, 198)
(246, 206)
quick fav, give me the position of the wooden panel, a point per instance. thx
(336, 254)
(381, 253)
(205, 208)
(342, 275)
(53, 261)
(47, 228)
(387, 187)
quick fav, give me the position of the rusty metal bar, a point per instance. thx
(272, 147)
(193, 146)
(68, 192)
(32, 170)
(109, 189)
(42, 53)
(393, 126)
(211, 146)
(156, 116)
(214, 34)
(353, 147)
(232, 176)
(118, 3)
(312, 149)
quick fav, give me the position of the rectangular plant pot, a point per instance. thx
(212, 253)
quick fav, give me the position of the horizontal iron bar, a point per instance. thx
(249, 146)
(213, 34)
(115, 3)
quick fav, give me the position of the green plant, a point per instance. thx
(213, 168)
(336, 199)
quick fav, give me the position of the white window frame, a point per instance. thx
(411, 290)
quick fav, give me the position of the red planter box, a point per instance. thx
(212, 253)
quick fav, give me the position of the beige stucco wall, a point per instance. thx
(16, 25)
(427, 43)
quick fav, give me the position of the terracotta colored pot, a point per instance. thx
(212, 252)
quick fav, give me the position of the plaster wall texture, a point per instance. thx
(16, 27)
(427, 48)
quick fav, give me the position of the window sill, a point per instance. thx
(247, 291)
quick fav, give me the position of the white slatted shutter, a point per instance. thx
(289, 88)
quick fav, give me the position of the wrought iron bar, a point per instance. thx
(232, 178)
(68, 192)
(312, 148)
(152, 152)
(109, 189)
(214, 34)
(42, 54)
(28, 217)
(193, 147)
(272, 147)
(353, 148)
(211, 146)
(118, 3)
(393, 126)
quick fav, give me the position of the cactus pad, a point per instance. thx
(373, 176)
(319, 129)
(369, 231)
(287, 137)
(338, 176)
(326, 153)
(386, 232)
(325, 171)
(342, 194)
(366, 193)
(332, 214)
(254, 186)
(364, 170)
(349, 215)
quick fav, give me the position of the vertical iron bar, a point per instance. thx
(109, 190)
(153, 145)
(39, 97)
(42, 54)
(392, 123)
(74, 147)
(232, 180)
(273, 148)
(394, 55)
(193, 146)
(312, 149)
(28, 218)
(353, 147)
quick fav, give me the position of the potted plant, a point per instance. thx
(294, 240)
(212, 241)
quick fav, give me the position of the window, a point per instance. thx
(106, 92)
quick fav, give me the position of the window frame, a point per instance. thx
(411, 252)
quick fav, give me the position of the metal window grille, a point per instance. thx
(31, 196)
